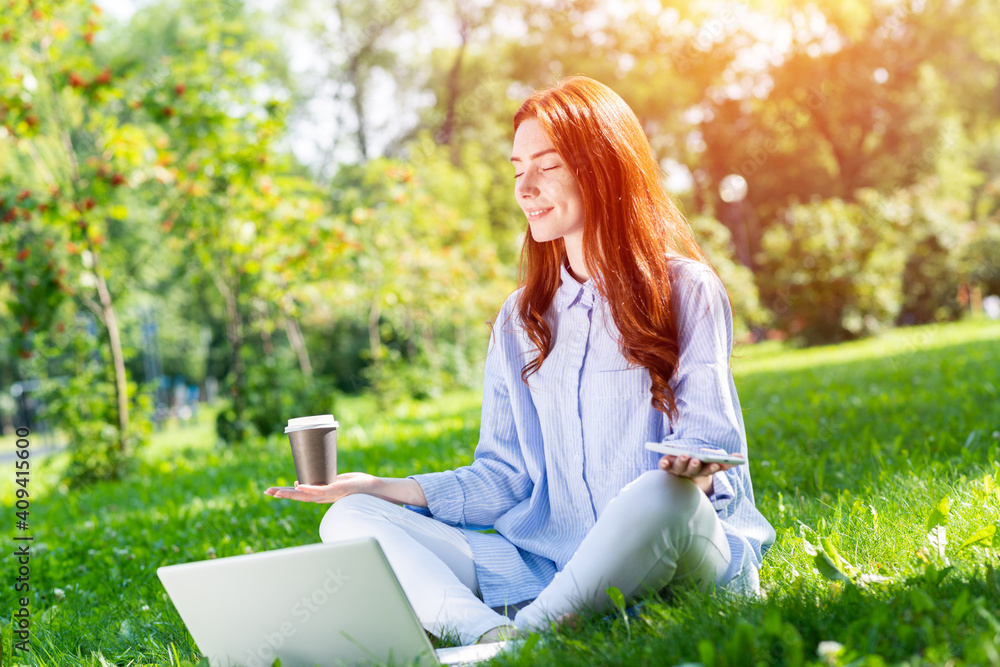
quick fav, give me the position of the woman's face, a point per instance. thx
(545, 188)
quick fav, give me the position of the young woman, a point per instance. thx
(620, 334)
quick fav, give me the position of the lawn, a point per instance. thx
(876, 461)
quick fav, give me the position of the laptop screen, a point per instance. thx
(321, 604)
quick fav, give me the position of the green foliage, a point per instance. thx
(939, 232)
(73, 152)
(982, 257)
(618, 600)
(716, 240)
(832, 271)
(424, 273)
(78, 395)
(278, 392)
(31, 267)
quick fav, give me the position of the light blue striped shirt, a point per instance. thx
(553, 454)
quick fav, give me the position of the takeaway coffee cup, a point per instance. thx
(314, 448)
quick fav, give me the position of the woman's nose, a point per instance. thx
(525, 186)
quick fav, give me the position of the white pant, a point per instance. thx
(659, 530)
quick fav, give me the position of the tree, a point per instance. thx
(424, 267)
(74, 153)
(354, 55)
(246, 215)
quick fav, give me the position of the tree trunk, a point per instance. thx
(118, 359)
(374, 336)
(448, 128)
(234, 332)
(260, 312)
(358, 103)
(298, 343)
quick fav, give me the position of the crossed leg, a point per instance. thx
(659, 530)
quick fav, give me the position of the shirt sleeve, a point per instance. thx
(478, 494)
(707, 406)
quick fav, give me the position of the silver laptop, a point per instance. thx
(321, 604)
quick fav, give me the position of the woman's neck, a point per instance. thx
(574, 253)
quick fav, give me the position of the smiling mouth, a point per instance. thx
(537, 214)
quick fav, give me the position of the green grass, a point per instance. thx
(854, 444)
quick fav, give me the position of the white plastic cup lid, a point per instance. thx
(314, 421)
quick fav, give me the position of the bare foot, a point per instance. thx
(569, 621)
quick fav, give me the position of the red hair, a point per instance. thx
(631, 229)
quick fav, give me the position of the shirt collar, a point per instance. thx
(571, 292)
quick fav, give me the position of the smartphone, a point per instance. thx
(703, 455)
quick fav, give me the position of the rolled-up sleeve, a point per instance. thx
(707, 405)
(703, 387)
(497, 480)
(723, 493)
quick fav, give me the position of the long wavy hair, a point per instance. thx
(631, 230)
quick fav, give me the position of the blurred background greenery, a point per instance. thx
(280, 203)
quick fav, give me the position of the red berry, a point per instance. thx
(179, 89)
(11, 215)
(76, 81)
(24, 254)
(168, 111)
(89, 203)
(31, 120)
(117, 179)
(24, 194)
(24, 354)
(104, 78)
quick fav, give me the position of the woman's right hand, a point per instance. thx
(401, 491)
(345, 484)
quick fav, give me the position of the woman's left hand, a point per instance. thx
(699, 473)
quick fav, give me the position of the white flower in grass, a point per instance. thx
(828, 652)
(145, 607)
(59, 593)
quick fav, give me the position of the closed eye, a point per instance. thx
(516, 176)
